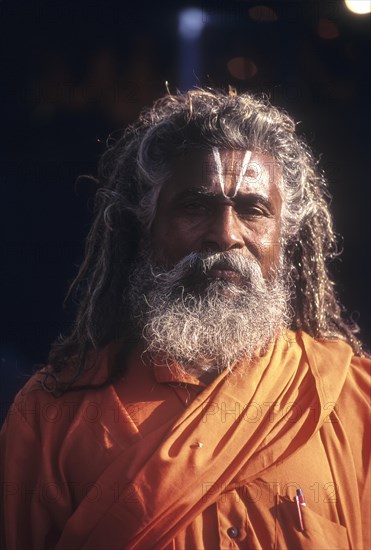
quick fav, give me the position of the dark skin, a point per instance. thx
(200, 209)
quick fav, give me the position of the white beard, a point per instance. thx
(213, 324)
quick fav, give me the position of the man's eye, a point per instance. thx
(252, 211)
(194, 207)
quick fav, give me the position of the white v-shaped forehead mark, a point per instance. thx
(219, 169)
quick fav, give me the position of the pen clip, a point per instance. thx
(300, 495)
(300, 515)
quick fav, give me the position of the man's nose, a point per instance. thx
(224, 231)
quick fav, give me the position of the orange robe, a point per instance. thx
(159, 460)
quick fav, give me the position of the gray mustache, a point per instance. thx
(200, 263)
(234, 261)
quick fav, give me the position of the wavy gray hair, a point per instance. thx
(131, 174)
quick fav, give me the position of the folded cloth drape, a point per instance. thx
(301, 405)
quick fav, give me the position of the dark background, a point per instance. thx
(71, 73)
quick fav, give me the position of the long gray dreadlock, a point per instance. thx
(131, 173)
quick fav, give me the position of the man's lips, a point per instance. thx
(225, 273)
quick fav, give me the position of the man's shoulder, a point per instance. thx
(35, 408)
(335, 364)
(38, 401)
(336, 358)
(335, 353)
(357, 387)
(358, 367)
(361, 367)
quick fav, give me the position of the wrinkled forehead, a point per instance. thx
(230, 172)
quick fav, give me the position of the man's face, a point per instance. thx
(219, 201)
(211, 289)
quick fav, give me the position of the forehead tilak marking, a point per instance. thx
(219, 169)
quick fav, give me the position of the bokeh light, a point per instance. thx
(359, 6)
(191, 23)
(262, 13)
(242, 68)
(327, 29)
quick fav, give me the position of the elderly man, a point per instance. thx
(210, 394)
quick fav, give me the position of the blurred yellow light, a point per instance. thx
(359, 6)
